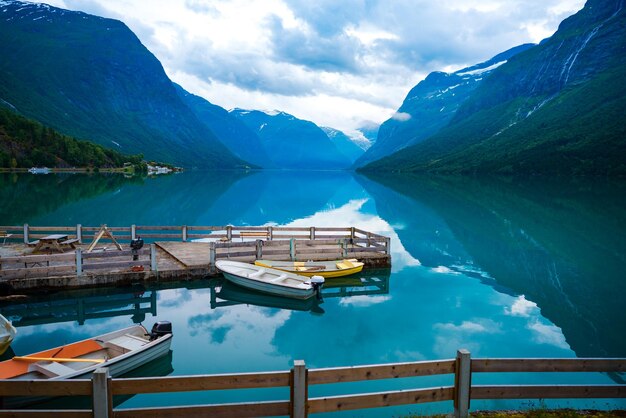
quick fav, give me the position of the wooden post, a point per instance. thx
(133, 232)
(102, 406)
(312, 233)
(79, 262)
(299, 390)
(344, 245)
(79, 233)
(270, 233)
(153, 258)
(292, 249)
(352, 234)
(212, 257)
(26, 240)
(259, 249)
(229, 233)
(387, 245)
(184, 233)
(462, 384)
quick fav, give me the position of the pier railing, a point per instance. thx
(27, 233)
(460, 390)
(77, 263)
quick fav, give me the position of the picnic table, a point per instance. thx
(55, 242)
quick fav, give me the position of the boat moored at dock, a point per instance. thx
(269, 280)
(326, 269)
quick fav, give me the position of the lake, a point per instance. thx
(502, 267)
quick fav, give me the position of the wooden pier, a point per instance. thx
(99, 256)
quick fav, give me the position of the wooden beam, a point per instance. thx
(462, 383)
(380, 399)
(206, 382)
(78, 387)
(548, 365)
(380, 371)
(255, 409)
(548, 391)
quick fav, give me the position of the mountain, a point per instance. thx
(232, 132)
(369, 130)
(556, 108)
(431, 105)
(344, 144)
(291, 142)
(90, 77)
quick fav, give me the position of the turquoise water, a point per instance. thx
(503, 268)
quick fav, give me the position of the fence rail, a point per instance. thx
(101, 388)
(26, 233)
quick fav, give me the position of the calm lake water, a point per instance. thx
(503, 268)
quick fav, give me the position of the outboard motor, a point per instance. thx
(317, 282)
(136, 245)
(160, 329)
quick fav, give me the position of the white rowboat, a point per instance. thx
(269, 280)
(7, 334)
(121, 351)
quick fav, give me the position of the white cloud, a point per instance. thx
(548, 334)
(521, 307)
(485, 326)
(336, 63)
(401, 116)
(363, 300)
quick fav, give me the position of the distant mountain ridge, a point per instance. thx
(291, 142)
(232, 132)
(90, 77)
(344, 143)
(553, 109)
(431, 105)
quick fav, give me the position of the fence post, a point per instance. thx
(344, 245)
(133, 232)
(79, 262)
(387, 245)
(292, 249)
(212, 256)
(259, 249)
(312, 233)
(153, 258)
(184, 233)
(26, 240)
(299, 390)
(102, 406)
(462, 384)
(229, 233)
(79, 233)
(352, 234)
(270, 233)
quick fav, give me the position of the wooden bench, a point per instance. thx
(4, 236)
(254, 234)
(70, 242)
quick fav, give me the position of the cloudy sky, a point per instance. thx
(339, 63)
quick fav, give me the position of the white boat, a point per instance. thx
(39, 170)
(269, 280)
(121, 351)
(7, 334)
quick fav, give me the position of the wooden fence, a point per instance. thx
(229, 233)
(101, 388)
(77, 262)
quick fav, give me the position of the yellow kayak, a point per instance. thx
(326, 269)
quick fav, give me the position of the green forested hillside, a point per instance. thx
(26, 143)
(579, 132)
